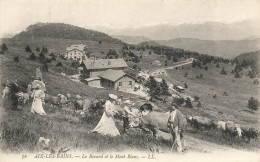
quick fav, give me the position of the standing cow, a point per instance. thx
(202, 123)
(249, 132)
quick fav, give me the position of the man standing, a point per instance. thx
(176, 124)
(14, 89)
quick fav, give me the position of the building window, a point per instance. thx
(130, 83)
(120, 84)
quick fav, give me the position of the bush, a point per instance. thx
(217, 65)
(179, 101)
(185, 85)
(16, 59)
(225, 94)
(215, 96)
(188, 103)
(251, 74)
(206, 68)
(196, 98)
(59, 64)
(256, 82)
(253, 104)
(28, 49)
(237, 75)
(223, 72)
(32, 57)
(199, 105)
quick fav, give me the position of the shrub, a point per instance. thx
(196, 98)
(237, 75)
(185, 85)
(59, 64)
(199, 105)
(179, 101)
(206, 68)
(215, 96)
(251, 74)
(186, 74)
(188, 103)
(28, 49)
(217, 65)
(223, 72)
(256, 82)
(253, 104)
(38, 49)
(225, 94)
(16, 59)
(32, 57)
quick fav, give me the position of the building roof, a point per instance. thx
(113, 75)
(79, 47)
(104, 63)
(91, 79)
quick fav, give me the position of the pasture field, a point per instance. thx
(232, 106)
(21, 130)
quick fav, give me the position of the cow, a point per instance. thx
(232, 130)
(63, 99)
(6, 92)
(249, 132)
(52, 100)
(155, 121)
(221, 125)
(202, 123)
(23, 97)
(85, 104)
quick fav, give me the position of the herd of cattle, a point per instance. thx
(155, 120)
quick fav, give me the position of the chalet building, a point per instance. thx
(76, 52)
(117, 80)
(92, 68)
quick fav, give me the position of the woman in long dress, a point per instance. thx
(106, 125)
(37, 96)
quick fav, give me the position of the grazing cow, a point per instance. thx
(23, 97)
(6, 92)
(202, 123)
(232, 130)
(83, 104)
(52, 100)
(221, 125)
(63, 99)
(249, 132)
(155, 121)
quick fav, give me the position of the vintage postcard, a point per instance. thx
(129, 80)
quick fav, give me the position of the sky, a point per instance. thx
(16, 15)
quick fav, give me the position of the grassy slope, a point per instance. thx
(63, 129)
(70, 130)
(234, 106)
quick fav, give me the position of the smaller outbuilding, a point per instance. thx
(94, 82)
(117, 80)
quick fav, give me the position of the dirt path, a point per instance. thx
(181, 63)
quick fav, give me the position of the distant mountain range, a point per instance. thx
(223, 48)
(205, 31)
(64, 31)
